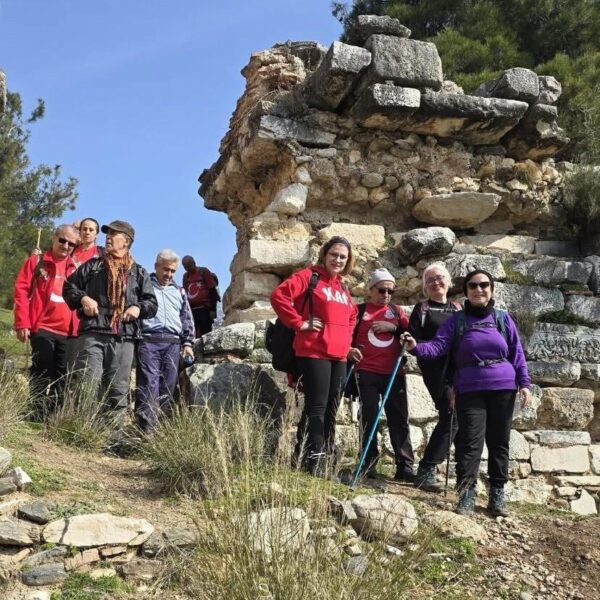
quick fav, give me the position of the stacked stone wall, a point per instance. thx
(368, 141)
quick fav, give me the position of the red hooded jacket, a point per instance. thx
(332, 304)
(33, 288)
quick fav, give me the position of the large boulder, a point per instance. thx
(460, 265)
(566, 408)
(549, 272)
(280, 257)
(277, 531)
(235, 339)
(368, 25)
(403, 62)
(449, 524)
(550, 89)
(335, 76)
(426, 241)
(528, 298)
(553, 341)
(99, 529)
(472, 120)
(290, 200)
(384, 106)
(514, 84)
(387, 517)
(457, 210)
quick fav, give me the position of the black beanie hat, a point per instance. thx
(472, 274)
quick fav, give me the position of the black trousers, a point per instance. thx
(440, 438)
(485, 415)
(48, 359)
(372, 387)
(322, 380)
(203, 322)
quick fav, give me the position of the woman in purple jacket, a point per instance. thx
(489, 369)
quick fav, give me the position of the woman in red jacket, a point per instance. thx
(321, 345)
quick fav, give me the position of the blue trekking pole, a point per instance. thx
(376, 421)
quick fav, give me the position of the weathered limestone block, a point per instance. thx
(257, 311)
(236, 339)
(425, 241)
(460, 264)
(310, 53)
(566, 408)
(554, 373)
(518, 447)
(558, 439)
(590, 371)
(514, 84)
(333, 79)
(573, 459)
(533, 490)
(246, 287)
(280, 257)
(387, 107)
(276, 531)
(594, 282)
(549, 272)
(291, 200)
(585, 307)
(557, 248)
(553, 341)
(470, 119)
(420, 405)
(537, 136)
(584, 505)
(276, 128)
(590, 482)
(403, 62)
(550, 89)
(227, 381)
(449, 524)
(275, 227)
(100, 529)
(525, 417)
(458, 210)
(595, 458)
(521, 244)
(368, 25)
(358, 235)
(528, 298)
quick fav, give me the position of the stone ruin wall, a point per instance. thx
(367, 140)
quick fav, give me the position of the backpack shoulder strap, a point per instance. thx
(308, 297)
(459, 328)
(424, 308)
(361, 309)
(394, 310)
(500, 318)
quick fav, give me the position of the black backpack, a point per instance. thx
(279, 339)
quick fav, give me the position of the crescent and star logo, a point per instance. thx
(194, 290)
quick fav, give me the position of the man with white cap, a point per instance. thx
(375, 350)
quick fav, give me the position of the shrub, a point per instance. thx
(581, 199)
(14, 400)
(514, 276)
(563, 317)
(526, 322)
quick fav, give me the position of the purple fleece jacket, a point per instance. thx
(480, 343)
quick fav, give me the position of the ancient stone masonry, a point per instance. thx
(369, 141)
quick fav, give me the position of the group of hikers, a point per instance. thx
(90, 309)
(469, 354)
(87, 310)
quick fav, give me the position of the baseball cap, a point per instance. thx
(121, 227)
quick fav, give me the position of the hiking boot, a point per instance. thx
(426, 479)
(497, 503)
(316, 464)
(466, 502)
(404, 473)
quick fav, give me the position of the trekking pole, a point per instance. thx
(376, 421)
(452, 413)
(348, 375)
(39, 238)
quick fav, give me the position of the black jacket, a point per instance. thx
(91, 278)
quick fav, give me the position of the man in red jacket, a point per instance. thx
(41, 314)
(203, 295)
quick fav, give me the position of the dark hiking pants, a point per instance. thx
(156, 379)
(48, 367)
(372, 388)
(439, 440)
(483, 416)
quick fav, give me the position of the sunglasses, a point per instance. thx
(385, 291)
(473, 285)
(64, 241)
(436, 279)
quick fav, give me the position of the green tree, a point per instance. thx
(31, 197)
(477, 39)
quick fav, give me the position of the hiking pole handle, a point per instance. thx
(376, 421)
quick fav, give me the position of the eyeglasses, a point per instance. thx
(338, 256)
(473, 285)
(64, 241)
(385, 291)
(436, 279)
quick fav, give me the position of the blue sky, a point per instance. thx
(138, 96)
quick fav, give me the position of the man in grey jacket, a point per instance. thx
(166, 336)
(112, 294)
